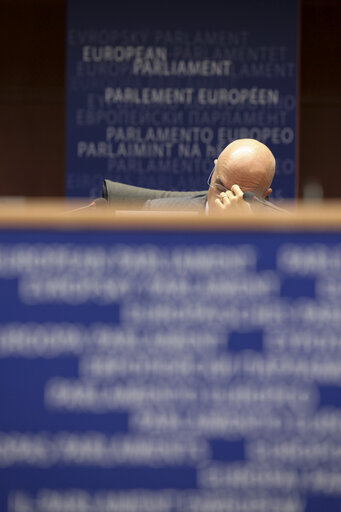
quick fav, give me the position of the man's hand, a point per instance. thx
(232, 200)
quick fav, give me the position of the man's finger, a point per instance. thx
(237, 191)
(219, 204)
(226, 199)
(230, 195)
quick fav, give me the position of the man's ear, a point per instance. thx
(267, 193)
(215, 162)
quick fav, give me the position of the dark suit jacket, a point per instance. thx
(196, 202)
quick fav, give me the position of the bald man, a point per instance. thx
(244, 165)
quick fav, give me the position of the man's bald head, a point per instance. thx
(247, 163)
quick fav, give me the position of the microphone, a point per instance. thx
(250, 197)
(99, 202)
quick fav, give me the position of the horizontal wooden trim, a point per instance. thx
(57, 215)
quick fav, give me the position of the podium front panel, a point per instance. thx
(183, 370)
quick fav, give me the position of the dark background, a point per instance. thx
(32, 96)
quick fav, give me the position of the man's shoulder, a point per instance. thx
(192, 202)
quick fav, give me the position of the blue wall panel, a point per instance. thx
(156, 90)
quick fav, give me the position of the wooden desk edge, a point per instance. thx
(57, 215)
